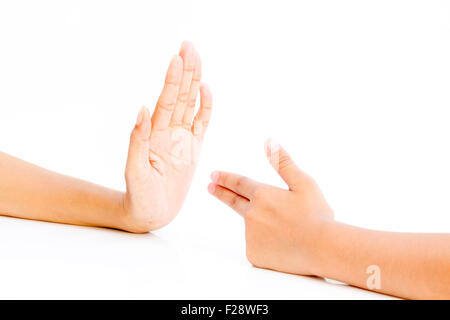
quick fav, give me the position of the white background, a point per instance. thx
(357, 91)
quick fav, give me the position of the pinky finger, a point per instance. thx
(233, 200)
(203, 115)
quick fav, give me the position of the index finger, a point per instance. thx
(240, 185)
(233, 200)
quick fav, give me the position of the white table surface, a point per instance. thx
(45, 260)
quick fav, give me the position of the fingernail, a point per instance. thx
(211, 188)
(205, 87)
(274, 146)
(186, 43)
(271, 146)
(214, 176)
(140, 116)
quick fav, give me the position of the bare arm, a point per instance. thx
(30, 192)
(409, 265)
(294, 231)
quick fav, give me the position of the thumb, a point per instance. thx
(138, 151)
(283, 164)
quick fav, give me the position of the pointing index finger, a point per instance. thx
(240, 185)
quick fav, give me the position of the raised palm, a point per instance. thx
(164, 148)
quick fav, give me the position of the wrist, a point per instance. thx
(327, 232)
(130, 219)
(122, 215)
(138, 219)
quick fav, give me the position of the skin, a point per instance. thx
(163, 154)
(293, 230)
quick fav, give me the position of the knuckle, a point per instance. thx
(191, 103)
(169, 106)
(284, 162)
(218, 192)
(176, 123)
(240, 181)
(234, 202)
(259, 194)
(186, 125)
(172, 80)
(224, 178)
(182, 96)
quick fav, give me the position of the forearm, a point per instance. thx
(411, 265)
(30, 192)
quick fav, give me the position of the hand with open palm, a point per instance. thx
(165, 147)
